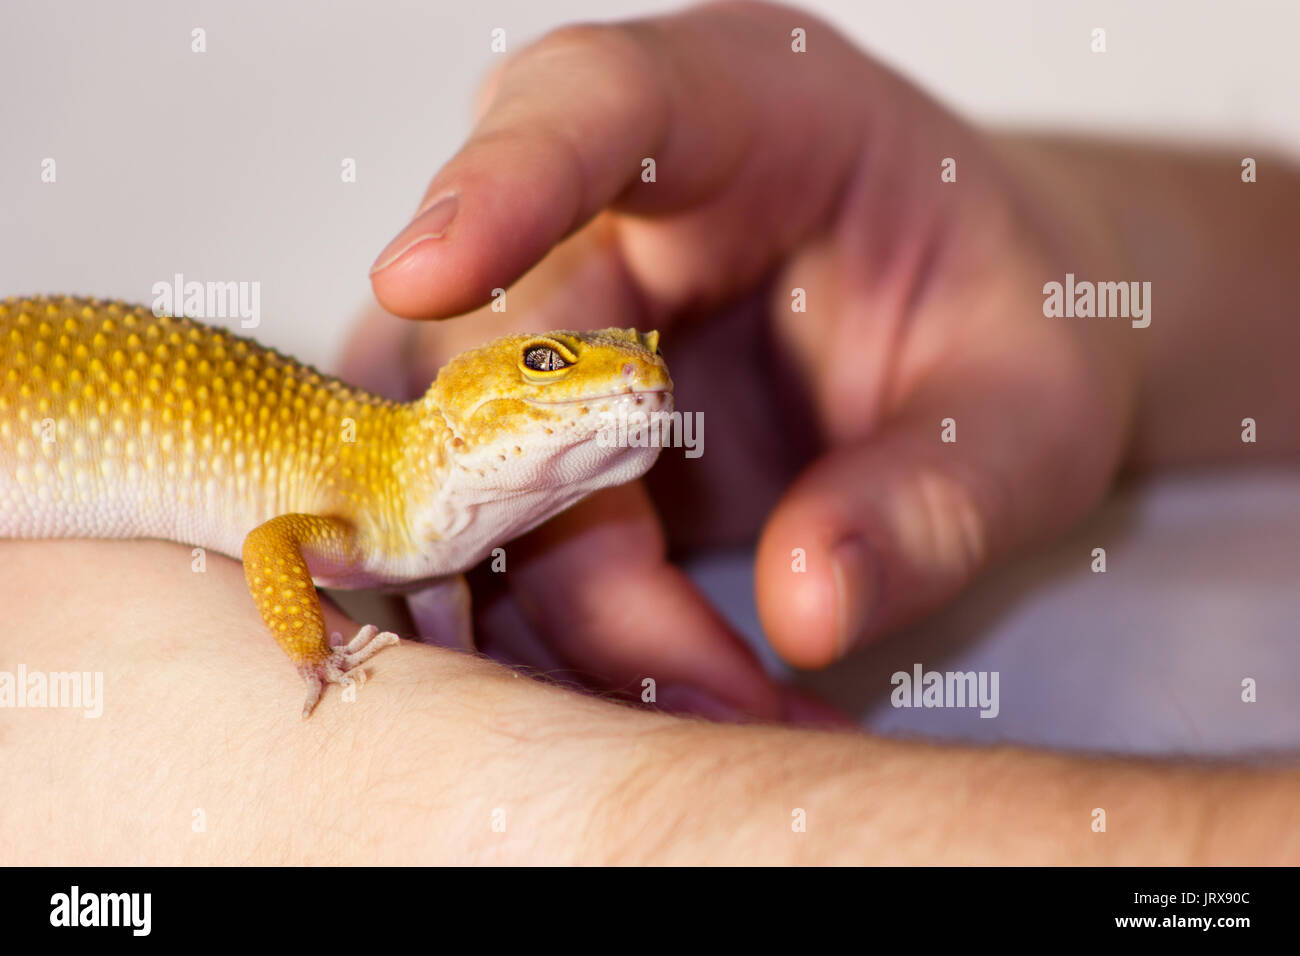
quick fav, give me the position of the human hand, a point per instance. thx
(776, 171)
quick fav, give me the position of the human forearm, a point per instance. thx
(445, 757)
(718, 794)
(1220, 255)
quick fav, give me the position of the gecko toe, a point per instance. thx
(314, 687)
(372, 645)
(362, 638)
(340, 667)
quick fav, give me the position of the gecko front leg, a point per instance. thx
(279, 559)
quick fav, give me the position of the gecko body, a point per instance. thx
(116, 423)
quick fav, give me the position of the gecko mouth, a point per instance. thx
(640, 395)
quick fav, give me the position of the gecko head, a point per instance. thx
(530, 412)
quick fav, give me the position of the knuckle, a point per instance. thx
(610, 54)
(953, 524)
(584, 39)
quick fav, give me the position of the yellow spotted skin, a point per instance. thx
(116, 423)
(281, 582)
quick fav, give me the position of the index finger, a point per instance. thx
(571, 124)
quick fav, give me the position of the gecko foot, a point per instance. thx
(335, 668)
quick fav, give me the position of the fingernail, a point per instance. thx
(854, 566)
(691, 701)
(427, 225)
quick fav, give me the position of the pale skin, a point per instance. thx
(927, 304)
(184, 769)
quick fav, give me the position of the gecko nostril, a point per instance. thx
(628, 369)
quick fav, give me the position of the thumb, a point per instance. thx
(978, 462)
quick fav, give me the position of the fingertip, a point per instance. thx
(408, 285)
(495, 211)
(427, 269)
(797, 592)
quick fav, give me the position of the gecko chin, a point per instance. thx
(504, 488)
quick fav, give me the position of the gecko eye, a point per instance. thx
(545, 359)
(541, 358)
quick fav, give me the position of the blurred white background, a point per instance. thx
(226, 165)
